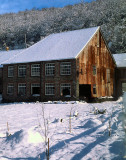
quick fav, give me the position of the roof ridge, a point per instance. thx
(63, 45)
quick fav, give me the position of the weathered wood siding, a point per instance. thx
(96, 54)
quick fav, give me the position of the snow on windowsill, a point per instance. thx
(36, 95)
(67, 96)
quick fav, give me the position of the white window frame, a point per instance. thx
(10, 85)
(35, 70)
(51, 88)
(35, 85)
(10, 71)
(49, 69)
(23, 70)
(65, 86)
(65, 68)
(21, 85)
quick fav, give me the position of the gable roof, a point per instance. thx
(65, 45)
(7, 55)
(120, 59)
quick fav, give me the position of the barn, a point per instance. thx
(63, 66)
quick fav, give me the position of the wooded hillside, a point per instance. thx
(36, 24)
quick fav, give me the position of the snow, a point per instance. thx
(120, 59)
(7, 55)
(86, 137)
(65, 45)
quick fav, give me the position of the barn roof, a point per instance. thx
(120, 59)
(65, 45)
(8, 55)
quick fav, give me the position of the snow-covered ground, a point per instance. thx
(87, 135)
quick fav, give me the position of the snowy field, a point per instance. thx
(88, 134)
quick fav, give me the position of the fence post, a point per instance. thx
(7, 127)
(70, 122)
(48, 150)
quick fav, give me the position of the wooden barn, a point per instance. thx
(62, 66)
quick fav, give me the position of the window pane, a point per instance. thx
(65, 68)
(94, 70)
(10, 71)
(65, 89)
(94, 89)
(35, 89)
(21, 89)
(49, 89)
(35, 70)
(10, 89)
(49, 69)
(22, 70)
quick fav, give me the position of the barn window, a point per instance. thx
(65, 68)
(65, 89)
(10, 71)
(22, 70)
(49, 89)
(35, 70)
(49, 69)
(35, 89)
(10, 89)
(94, 88)
(108, 75)
(94, 70)
(22, 89)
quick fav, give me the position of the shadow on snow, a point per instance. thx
(85, 150)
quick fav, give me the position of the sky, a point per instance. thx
(7, 6)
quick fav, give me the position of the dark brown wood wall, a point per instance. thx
(120, 78)
(1, 79)
(97, 54)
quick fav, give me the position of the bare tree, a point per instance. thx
(44, 125)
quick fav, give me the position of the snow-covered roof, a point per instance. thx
(8, 55)
(120, 59)
(65, 45)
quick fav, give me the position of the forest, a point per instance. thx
(23, 29)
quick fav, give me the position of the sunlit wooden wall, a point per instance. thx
(96, 53)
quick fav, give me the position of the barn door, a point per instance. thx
(84, 90)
